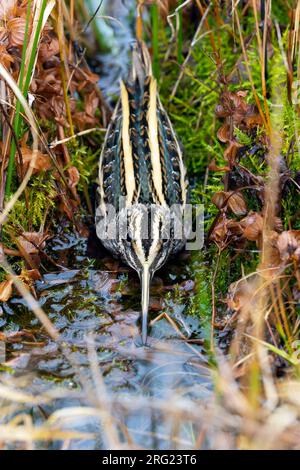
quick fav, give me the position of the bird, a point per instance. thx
(142, 184)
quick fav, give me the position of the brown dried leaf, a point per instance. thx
(253, 120)
(213, 167)
(234, 227)
(270, 265)
(18, 336)
(219, 199)
(232, 104)
(74, 176)
(69, 207)
(231, 151)
(6, 290)
(223, 133)
(16, 28)
(233, 200)
(220, 235)
(91, 103)
(48, 49)
(90, 79)
(5, 58)
(253, 225)
(224, 230)
(239, 295)
(237, 204)
(28, 240)
(42, 162)
(83, 120)
(55, 106)
(288, 245)
(3, 37)
(278, 224)
(31, 275)
(6, 6)
(242, 93)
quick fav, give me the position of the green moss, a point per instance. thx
(200, 304)
(41, 193)
(192, 112)
(85, 158)
(242, 137)
(2, 275)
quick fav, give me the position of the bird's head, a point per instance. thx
(149, 240)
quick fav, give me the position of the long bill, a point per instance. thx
(145, 285)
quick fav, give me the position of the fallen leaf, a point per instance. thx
(69, 207)
(223, 133)
(231, 199)
(219, 199)
(237, 204)
(5, 8)
(231, 105)
(30, 275)
(91, 103)
(74, 176)
(239, 295)
(29, 241)
(213, 167)
(6, 290)
(16, 28)
(42, 161)
(18, 336)
(231, 151)
(288, 244)
(224, 230)
(253, 225)
(5, 58)
(48, 48)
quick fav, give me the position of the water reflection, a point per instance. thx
(94, 301)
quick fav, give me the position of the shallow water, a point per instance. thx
(98, 301)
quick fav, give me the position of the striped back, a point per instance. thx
(141, 159)
(141, 163)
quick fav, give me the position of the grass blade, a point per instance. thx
(25, 88)
(155, 29)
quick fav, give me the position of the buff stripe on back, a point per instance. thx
(127, 148)
(154, 144)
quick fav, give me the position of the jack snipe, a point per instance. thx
(142, 179)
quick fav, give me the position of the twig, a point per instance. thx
(213, 317)
(56, 142)
(92, 17)
(194, 41)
